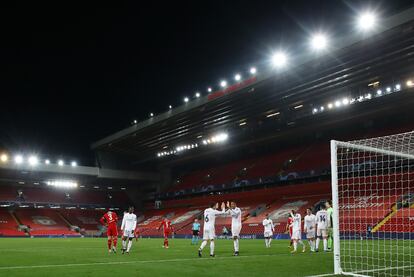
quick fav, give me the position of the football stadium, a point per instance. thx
(302, 165)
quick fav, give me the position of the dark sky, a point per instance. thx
(73, 74)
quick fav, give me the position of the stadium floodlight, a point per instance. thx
(170, 107)
(151, 114)
(186, 99)
(242, 123)
(315, 110)
(345, 101)
(135, 121)
(409, 83)
(209, 89)
(388, 89)
(253, 70)
(397, 87)
(18, 159)
(322, 108)
(223, 83)
(4, 158)
(279, 59)
(366, 21)
(237, 77)
(74, 164)
(33, 160)
(338, 103)
(47, 161)
(379, 92)
(61, 163)
(368, 96)
(197, 94)
(62, 183)
(319, 42)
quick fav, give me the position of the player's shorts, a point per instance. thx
(112, 231)
(235, 231)
(296, 235)
(196, 232)
(268, 234)
(167, 233)
(209, 234)
(129, 233)
(322, 232)
(310, 234)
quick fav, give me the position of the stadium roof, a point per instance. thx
(385, 57)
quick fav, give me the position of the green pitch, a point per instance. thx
(89, 257)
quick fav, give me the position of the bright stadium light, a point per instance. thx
(322, 108)
(33, 160)
(388, 89)
(47, 161)
(4, 158)
(279, 59)
(197, 94)
(319, 42)
(237, 77)
(170, 107)
(151, 114)
(61, 163)
(18, 159)
(186, 99)
(330, 106)
(338, 103)
(62, 183)
(366, 21)
(315, 110)
(74, 164)
(379, 92)
(345, 101)
(253, 70)
(409, 83)
(209, 89)
(397, 87)
(135, 121)
(223, 83)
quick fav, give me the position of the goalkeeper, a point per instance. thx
(329, 209)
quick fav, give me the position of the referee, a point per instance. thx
(196, 231)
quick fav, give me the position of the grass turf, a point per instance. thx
(89, 257)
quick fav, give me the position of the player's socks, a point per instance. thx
(129, 245)
(318, 240)
(193, 240)
(236, 245)
(270, 241)
(325, 244)
(124, 244)
(203, 244)
(211, 248)
(109, 244)
(295, 246)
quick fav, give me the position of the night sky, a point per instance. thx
(73, 74)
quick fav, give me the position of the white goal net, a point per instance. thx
(373, 201)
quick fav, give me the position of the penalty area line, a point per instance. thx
(132, 262)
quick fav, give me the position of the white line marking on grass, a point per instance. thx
(321, 275)
(365, 271)
(134, 262)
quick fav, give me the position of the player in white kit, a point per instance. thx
(310, 228)
(209, 231)
(268, 230)
(236, 224)
(323, 222)
(129, 223)
(297, 231)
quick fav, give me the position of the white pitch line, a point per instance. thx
(131, 262)
(321, 275)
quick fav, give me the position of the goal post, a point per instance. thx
(373, 206)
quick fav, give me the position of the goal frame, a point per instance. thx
(335, 198)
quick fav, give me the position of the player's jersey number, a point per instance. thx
(206, 219)
(322, 218)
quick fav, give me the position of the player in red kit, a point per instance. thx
(167, 230)
(110, 220)
(290, 228)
